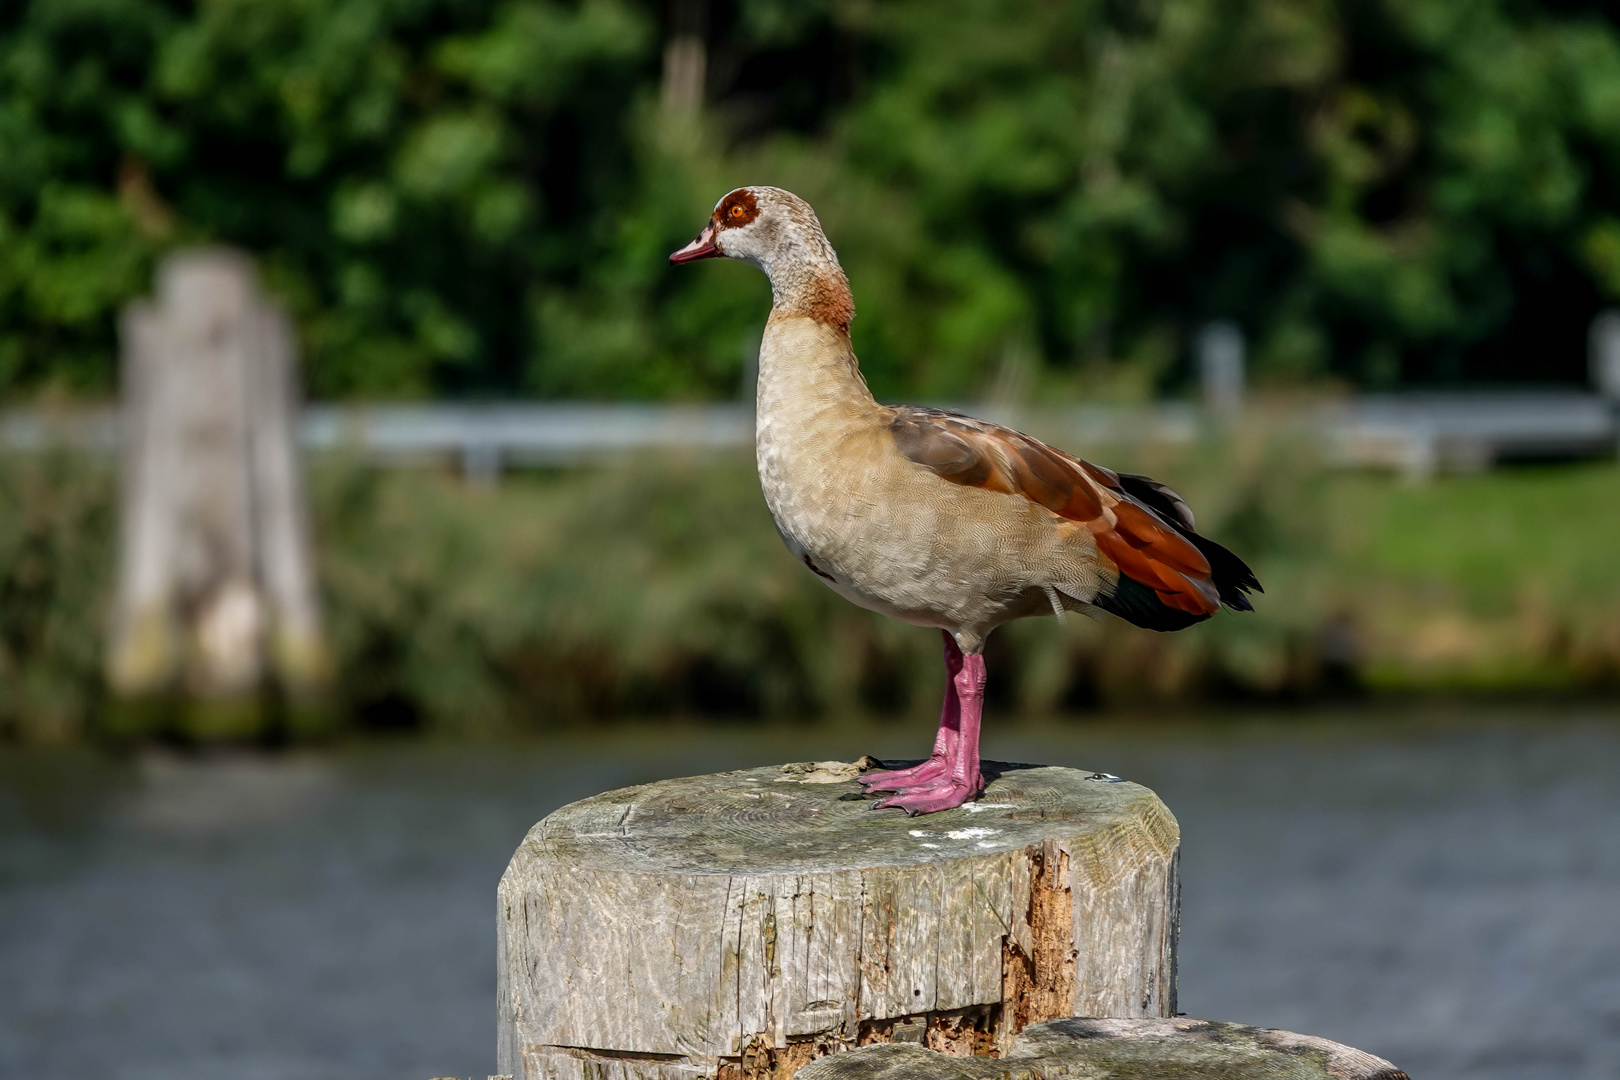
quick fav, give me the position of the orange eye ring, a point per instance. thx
(736, 211)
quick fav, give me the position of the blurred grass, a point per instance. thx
(1506, 580)
(658, 588)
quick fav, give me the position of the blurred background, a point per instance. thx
(1340, 271)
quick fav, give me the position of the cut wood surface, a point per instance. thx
(744, 923)
(1157, 1049)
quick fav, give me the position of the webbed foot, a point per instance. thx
(943, 794)
(900, 779)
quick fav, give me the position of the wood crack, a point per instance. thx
(1039, 985)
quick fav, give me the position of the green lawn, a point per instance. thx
(1490, 537)
(1500, 579)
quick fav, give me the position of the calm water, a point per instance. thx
(1444, 893)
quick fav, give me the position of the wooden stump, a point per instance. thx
(1124, 1050)
(742, 924)
(216, 583)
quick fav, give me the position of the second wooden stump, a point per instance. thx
(742, 924)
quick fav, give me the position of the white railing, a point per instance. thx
(1415, 433)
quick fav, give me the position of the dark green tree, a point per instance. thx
(469, 197)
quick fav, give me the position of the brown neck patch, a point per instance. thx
(736, 210)
(810, 282)
(827, 299)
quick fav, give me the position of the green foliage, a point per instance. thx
(56, 556)
(1380, 190)
(660, 588)
(1523, 530)
(393, 162)
(476, 196)
(1498, 580)
(649, 589)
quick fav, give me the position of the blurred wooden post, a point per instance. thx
(1603, 362)
(685, 57)
(743, 924)
(1603, 354)
(215, 581)
(1220, 351)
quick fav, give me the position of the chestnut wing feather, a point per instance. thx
(1143, 545)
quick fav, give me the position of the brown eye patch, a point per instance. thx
(737, 209)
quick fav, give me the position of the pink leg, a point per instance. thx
(944, 742)
(962, 780)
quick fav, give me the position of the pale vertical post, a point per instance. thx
(686, 57)
(216, 585)
(1220, 352)
(297, 648)
(1603, 353)
(145, 650)
(1603, 362)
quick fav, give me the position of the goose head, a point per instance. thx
(778, 232)
(749, 224)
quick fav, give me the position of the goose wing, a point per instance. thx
(1141, 526)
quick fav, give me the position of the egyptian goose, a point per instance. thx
(934, 517)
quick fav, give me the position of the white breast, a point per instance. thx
(812, 412)
(798, 415)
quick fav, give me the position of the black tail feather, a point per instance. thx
(1141, 606)
(1231, 575)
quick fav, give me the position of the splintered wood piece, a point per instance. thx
(1123, 1049)
(745, 923)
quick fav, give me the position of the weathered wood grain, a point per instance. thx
(1118, 1049)
(742, 924)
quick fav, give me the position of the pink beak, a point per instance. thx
(702, 248)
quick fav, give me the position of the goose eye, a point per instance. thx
(736, 211)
